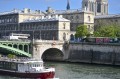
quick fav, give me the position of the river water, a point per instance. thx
(81, 71)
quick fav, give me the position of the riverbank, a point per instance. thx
(107, 54)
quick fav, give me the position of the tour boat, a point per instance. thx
(25, 68)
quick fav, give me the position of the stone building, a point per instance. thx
(77, 17)
(113, 19)
(34, 23)
(10, 21)
(47, 28)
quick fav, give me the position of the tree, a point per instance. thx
(81, 31)
(11, 56)
(108, 31)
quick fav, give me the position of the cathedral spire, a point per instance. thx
(68, 5)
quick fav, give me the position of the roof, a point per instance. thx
(25, 11)
(107, 16)
(47, 18)
(70, 11)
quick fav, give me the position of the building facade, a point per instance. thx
(10, 21)
(103, 20)
(77, 18)
(47, 28)
(34, 23)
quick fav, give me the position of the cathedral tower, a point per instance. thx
(88, 5)
(99, 7)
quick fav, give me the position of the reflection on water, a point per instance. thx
(81, 71)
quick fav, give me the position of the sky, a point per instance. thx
(8, 5)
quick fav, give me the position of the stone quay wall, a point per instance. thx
(94, 53)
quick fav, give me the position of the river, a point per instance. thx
(81, 71)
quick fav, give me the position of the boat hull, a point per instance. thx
(41, 75)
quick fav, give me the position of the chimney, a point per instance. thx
(26, 10)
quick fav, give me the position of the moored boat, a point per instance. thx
(25, 68)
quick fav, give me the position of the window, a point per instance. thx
(99, 7)
(15, 19)
(7, 20)
(85, 4)
(77, 17)
(89, 19)
(2, 20)
(10, 20)
(93, 7)
(64, 24)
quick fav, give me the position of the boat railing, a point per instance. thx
(5, 58)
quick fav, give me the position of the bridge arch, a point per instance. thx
(15, 45)
(52, 54)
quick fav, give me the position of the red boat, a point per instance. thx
(25, 68)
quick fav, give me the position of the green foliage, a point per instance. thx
(108, 31)
(81, 31)
(11, 56)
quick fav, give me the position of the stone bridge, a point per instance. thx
(45, 49)
(51, 50)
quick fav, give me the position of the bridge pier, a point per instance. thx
(37, 51)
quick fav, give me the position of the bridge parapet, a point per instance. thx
(48, 42)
